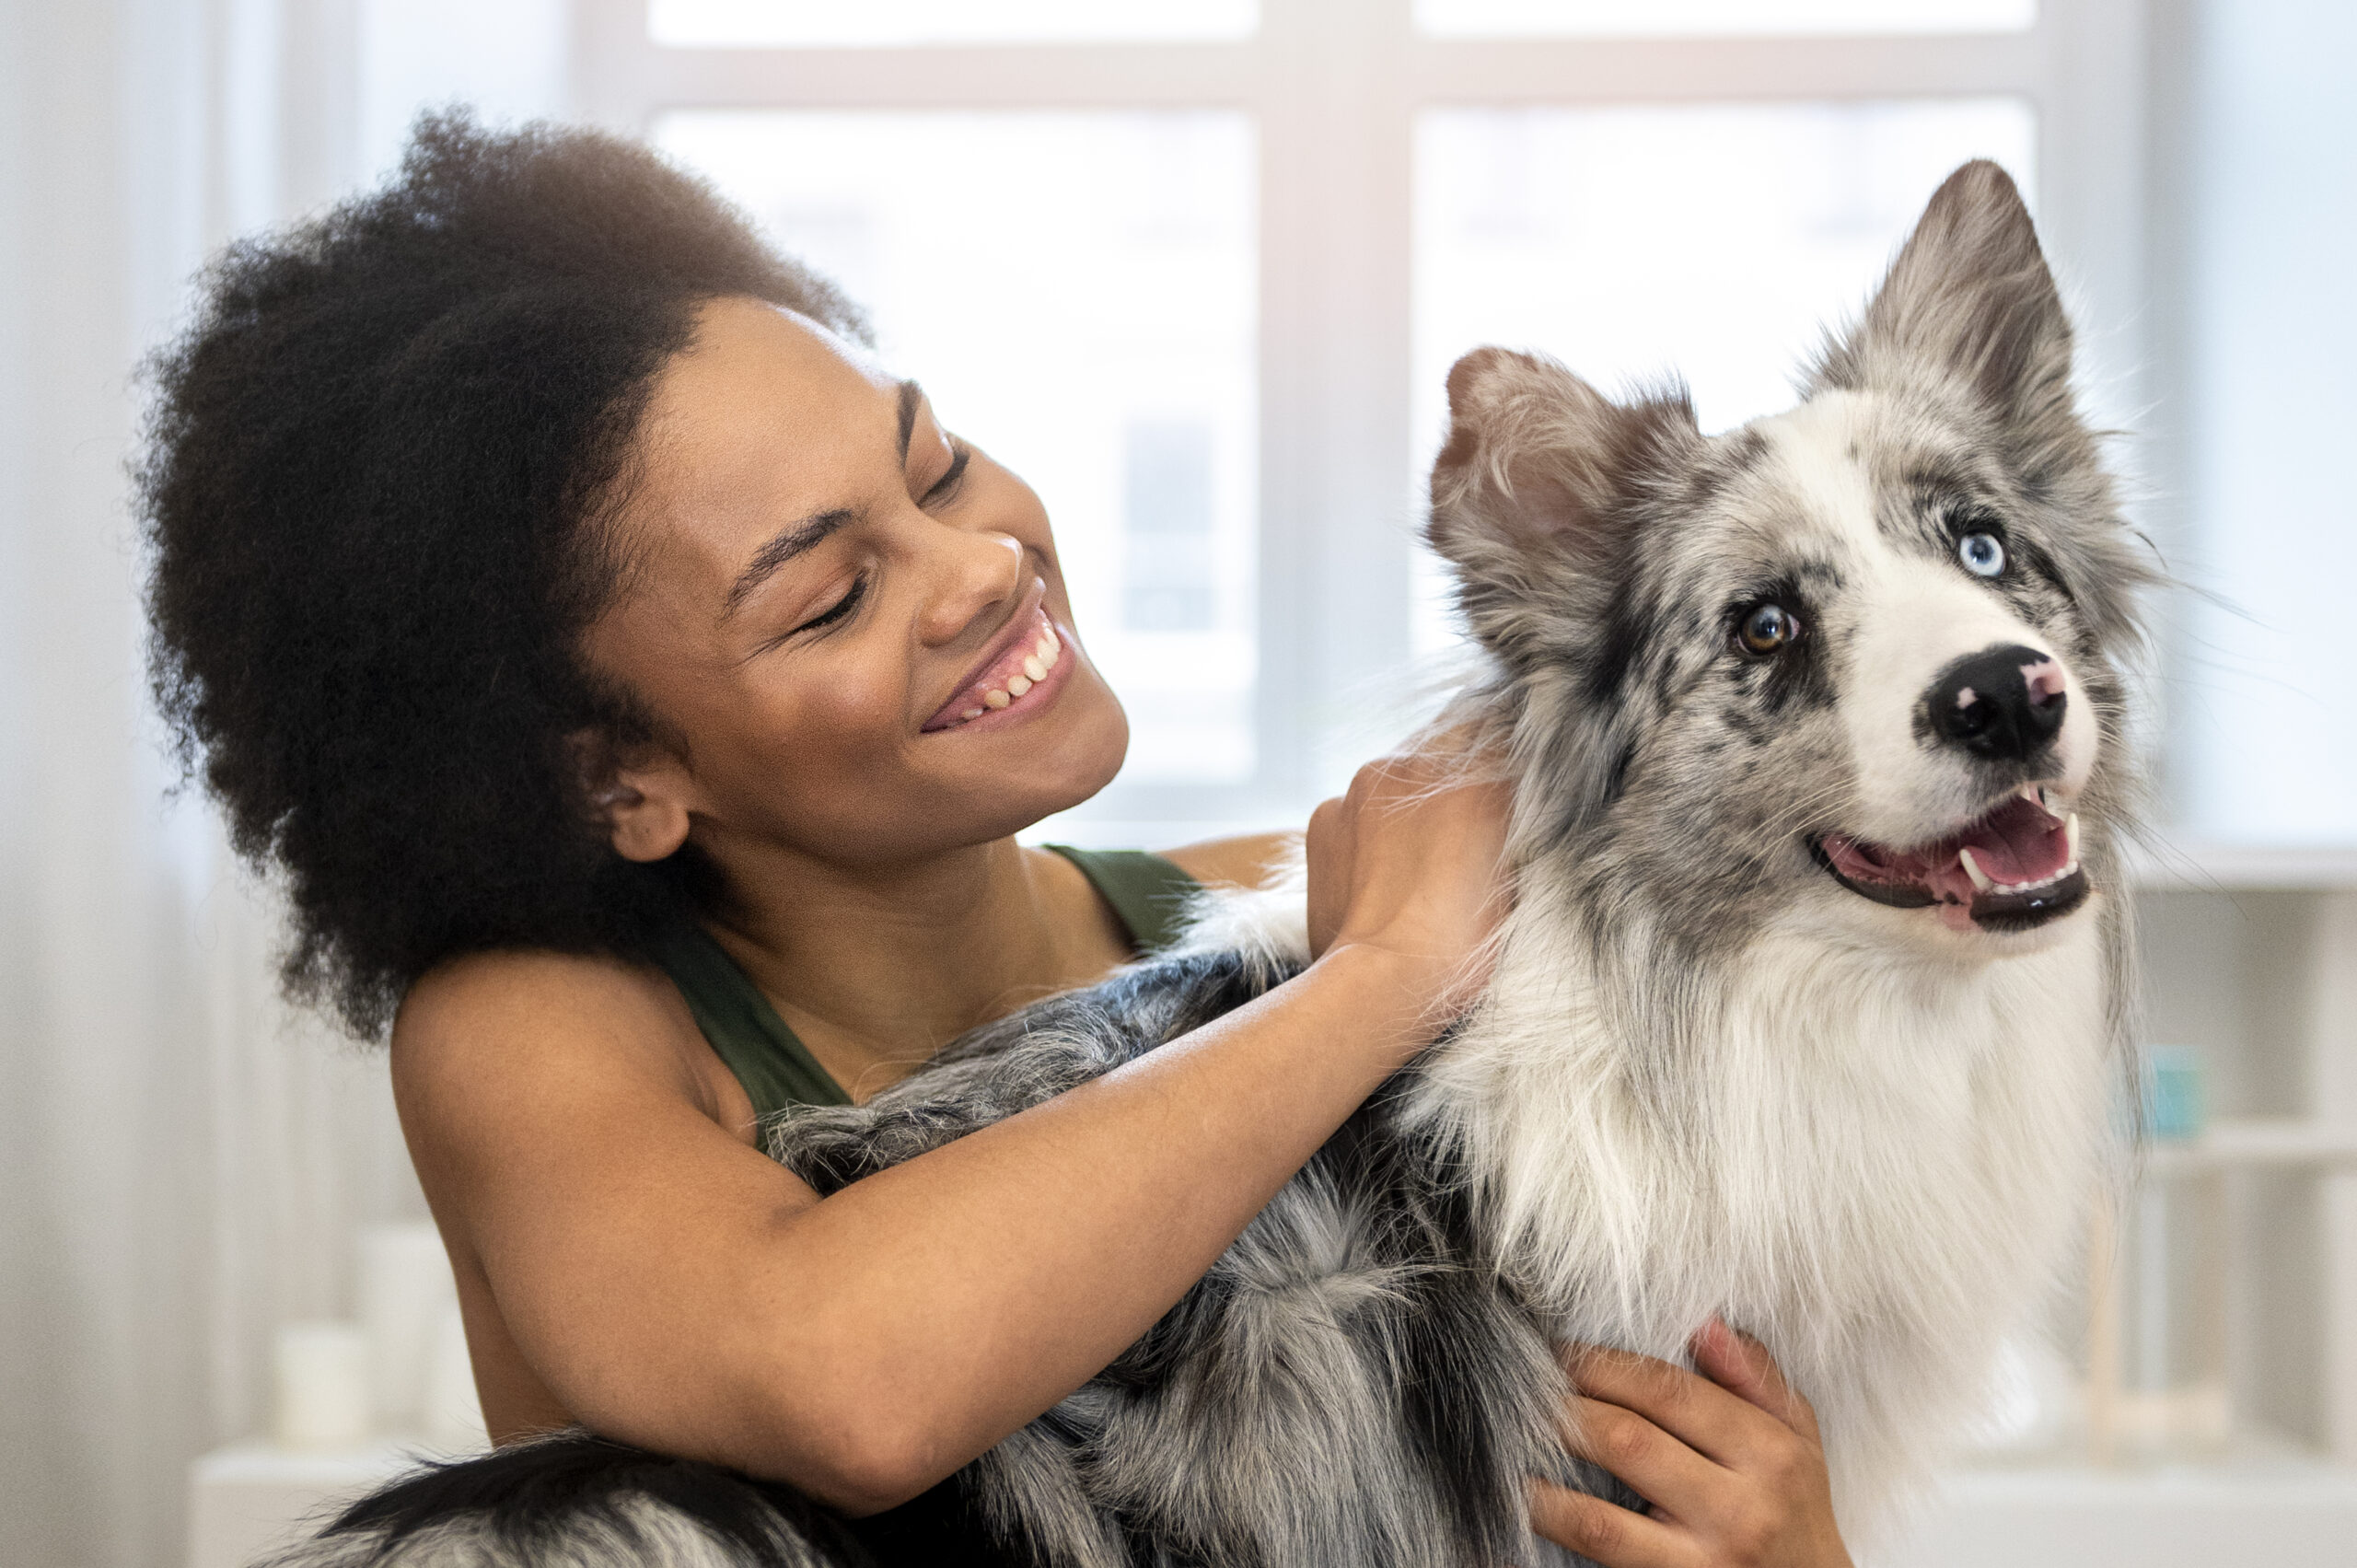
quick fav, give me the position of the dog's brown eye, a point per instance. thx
(1767, 628)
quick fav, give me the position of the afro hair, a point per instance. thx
(379, 485)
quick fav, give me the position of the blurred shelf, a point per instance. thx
(2279, 1142)
(248, 1498)
(2285, 1512)
(2193, 865)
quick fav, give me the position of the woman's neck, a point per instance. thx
(876, 970)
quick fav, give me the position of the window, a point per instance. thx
(1195, 270)
(1514, 19)
(775, 24)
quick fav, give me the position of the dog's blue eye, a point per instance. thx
(1983, 554)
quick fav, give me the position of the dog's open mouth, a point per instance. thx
(2012, 869)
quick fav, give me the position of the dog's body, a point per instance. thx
(1738, 1056)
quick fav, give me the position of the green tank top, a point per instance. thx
(1146, 892)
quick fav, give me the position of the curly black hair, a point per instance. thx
(380, 483)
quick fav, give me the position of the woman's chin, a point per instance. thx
(1002, 771)
(1059, 766)
(1086, 751)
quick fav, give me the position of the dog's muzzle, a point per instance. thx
(2013, 868)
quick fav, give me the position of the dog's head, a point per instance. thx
(1853, 661)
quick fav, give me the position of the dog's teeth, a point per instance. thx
(1980, 879)
(2071, 835)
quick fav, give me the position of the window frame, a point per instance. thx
(1333, 87)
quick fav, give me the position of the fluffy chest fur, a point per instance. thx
(1866, 1160)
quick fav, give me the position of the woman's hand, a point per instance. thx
(1409, 863)
(1730, 1460)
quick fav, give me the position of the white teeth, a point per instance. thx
(1980, 879)
(2070, 836)
(1036, 665)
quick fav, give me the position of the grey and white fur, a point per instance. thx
(1806, 1015)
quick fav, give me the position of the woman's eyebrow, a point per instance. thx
(801, 537)
(811, 530)
(910, 396)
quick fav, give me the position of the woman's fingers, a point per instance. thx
(1729, 1460)
(1691, 1408)
(1410, 862)
(1609, 1534)
(1742, 1366)
(1329, 852)
(1655, 1463)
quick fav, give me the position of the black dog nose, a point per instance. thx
(2002, 702)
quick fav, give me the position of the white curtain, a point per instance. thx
(182, 1160)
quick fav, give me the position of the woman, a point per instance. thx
(638, 690)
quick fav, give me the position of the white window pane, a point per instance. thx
(505, 58)
(1714, 242)
(806, 24)
(2264, 713)
(1495, 18)
(1077, 292)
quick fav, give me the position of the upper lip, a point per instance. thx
(1027, 610)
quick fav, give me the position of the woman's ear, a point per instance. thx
(643, 803)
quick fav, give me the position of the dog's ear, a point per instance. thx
(1538, 463)
(1969, 298)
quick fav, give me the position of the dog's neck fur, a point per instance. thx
(1868, 1159)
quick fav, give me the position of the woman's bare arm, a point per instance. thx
(674, 1288)
(1245, 861)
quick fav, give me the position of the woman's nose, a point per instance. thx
(979, 573)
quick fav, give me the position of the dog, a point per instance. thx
(1809, 1013)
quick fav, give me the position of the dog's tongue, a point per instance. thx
(2019, 841)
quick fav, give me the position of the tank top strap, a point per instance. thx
(1148, 893)
(745, 1031)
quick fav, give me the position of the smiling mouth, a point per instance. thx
(1012, 676)
(2014, 869)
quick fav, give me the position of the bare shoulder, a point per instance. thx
(500, 1029)
(1245, 861)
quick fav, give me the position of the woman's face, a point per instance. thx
(853, 625)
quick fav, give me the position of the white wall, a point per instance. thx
(2265, 164)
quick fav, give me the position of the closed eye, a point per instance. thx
(946, 487)
(837, 610)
